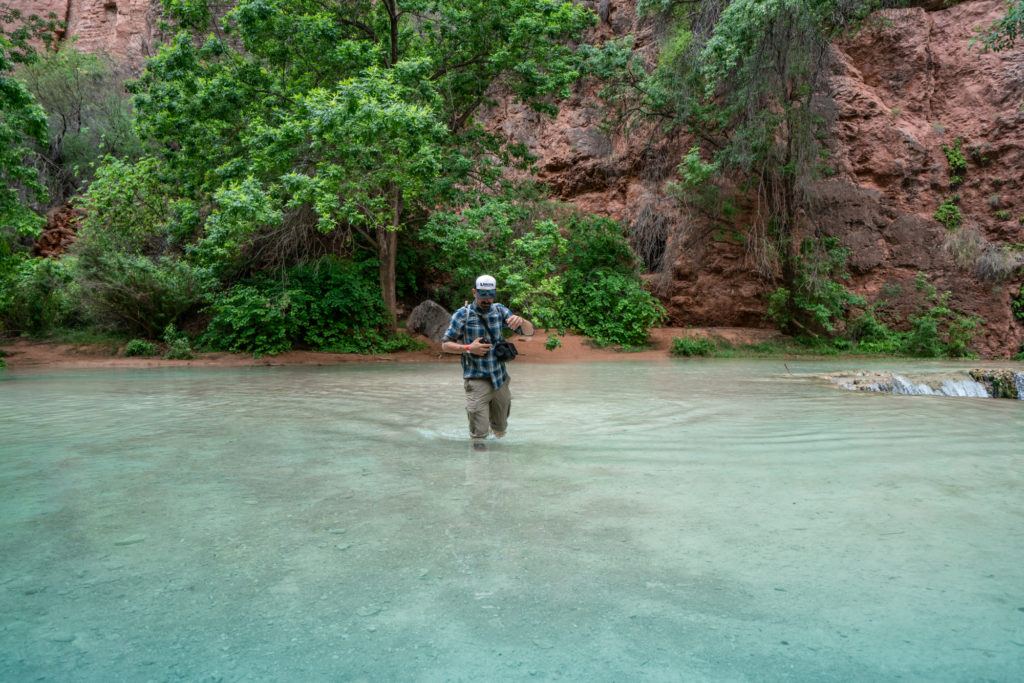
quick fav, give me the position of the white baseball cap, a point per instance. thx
(486, 282)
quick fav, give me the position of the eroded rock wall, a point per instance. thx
(126, 30)
(905, 85)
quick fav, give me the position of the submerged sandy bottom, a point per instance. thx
(660, 521)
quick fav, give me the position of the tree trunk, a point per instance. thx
(387, 252)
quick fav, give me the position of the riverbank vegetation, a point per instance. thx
(294, 174)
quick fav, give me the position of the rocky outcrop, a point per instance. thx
(976, 383)
(429, 319)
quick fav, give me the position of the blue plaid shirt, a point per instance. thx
(468, 323)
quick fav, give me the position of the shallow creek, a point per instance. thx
(683, 520)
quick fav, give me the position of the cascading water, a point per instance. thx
(964, 387)
(902, 385)
(1018, 381)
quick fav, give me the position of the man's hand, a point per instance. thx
(479, 347)
(515, 322)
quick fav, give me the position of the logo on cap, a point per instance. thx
(486, 282)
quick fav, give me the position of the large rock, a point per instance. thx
(429, 319)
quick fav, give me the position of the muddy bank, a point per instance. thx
(39, 355)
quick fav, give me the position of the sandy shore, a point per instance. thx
(23, 355)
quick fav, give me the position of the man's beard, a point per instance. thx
(484, 305)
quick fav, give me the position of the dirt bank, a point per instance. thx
(37, 355)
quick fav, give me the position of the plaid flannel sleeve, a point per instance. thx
(455, 327)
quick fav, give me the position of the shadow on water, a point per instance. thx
(722, 520)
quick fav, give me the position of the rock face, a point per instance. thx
(126, 30)
(906, 84)
(901, 88)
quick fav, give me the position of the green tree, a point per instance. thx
(22, 122)
(353, 117)
(742, 77)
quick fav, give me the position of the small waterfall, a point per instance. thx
(1018, 381)
(964, 387)
(902, 385)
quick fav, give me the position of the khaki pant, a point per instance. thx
(487, 407)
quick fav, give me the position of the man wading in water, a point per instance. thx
(472, 330)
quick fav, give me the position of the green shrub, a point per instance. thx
(336, 305)
(140, 347)
(135, 293)
(689, 346)
(552, 343)
(248, 319)
(949, 213)
(331, 305)
(1003, 214)
(611, 308)
(818, 300)
(956, 160)
(179, 347)
(37, 295)
(581, 273)
(936, 330)
(1017, 304)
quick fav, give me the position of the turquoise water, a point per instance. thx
(719, 520)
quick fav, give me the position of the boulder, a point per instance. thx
(429, 319)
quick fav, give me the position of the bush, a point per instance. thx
(936, 330)
(583, 274)
(135, 293)
(331, 305)
(957, 162)
(611, 308)
(178, 345)
(818, 300)
(552, 343)
(140, 347)
(689, 346)
(1017, 304)
(949, 213)
(247, 319)
(36, 295)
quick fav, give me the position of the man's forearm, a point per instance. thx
(454, 347)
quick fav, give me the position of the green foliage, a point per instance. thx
(140, 347)
(936, 330)
(1004, 32)
(250, 319)
(22, 122)
(331, 305)
(818, 299)
(690, 346)
(611, 308)
(552, 343)
(1017, 304)
(949, 213)
(88, 112)
(583, 275)
(137, 294)
(1003, 214)
(957, 162)
(354, 120)
(179, 347)
(36, 295)
(532, 274)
